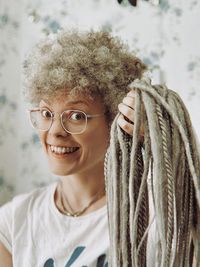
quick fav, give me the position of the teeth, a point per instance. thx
(62, 150)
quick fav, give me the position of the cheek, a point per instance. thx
(97, 140)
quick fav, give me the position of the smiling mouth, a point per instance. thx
(63, 150)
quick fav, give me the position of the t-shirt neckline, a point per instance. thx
(97, 213)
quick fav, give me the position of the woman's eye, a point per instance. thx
(46, 114)
(77, 116)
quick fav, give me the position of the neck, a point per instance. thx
(80, 188)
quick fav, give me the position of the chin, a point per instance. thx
(59, 171)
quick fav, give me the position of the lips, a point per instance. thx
(61, 150)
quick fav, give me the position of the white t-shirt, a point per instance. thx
(38, 235)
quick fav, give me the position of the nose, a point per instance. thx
(57, 129)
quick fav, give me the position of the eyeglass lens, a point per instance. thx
(74, 121)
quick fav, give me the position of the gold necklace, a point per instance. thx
(96, 197)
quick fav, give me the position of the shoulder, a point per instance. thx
(33, 199)
(23, 203)
(21, 211)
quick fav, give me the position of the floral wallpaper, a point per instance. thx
(165, 36)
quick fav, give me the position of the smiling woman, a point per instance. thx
(98, 211)
(74, 82)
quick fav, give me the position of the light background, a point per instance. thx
(166, 37)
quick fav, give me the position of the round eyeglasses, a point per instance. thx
(72, 121)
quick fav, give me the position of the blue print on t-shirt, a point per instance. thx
(49, 263)
(74, 256)
(76, 253)
(101, 261)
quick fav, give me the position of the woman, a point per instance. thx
(75, 83)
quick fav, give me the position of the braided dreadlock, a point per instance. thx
(168, 154)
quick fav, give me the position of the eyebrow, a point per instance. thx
(67, 103)
(78, 102)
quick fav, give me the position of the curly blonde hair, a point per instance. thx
(90, 63)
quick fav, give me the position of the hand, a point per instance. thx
(126, 118)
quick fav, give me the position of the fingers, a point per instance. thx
(126, 118)
(126, 111)
(125, 125)
(129, 101)
(126, 108)
(131, 93)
